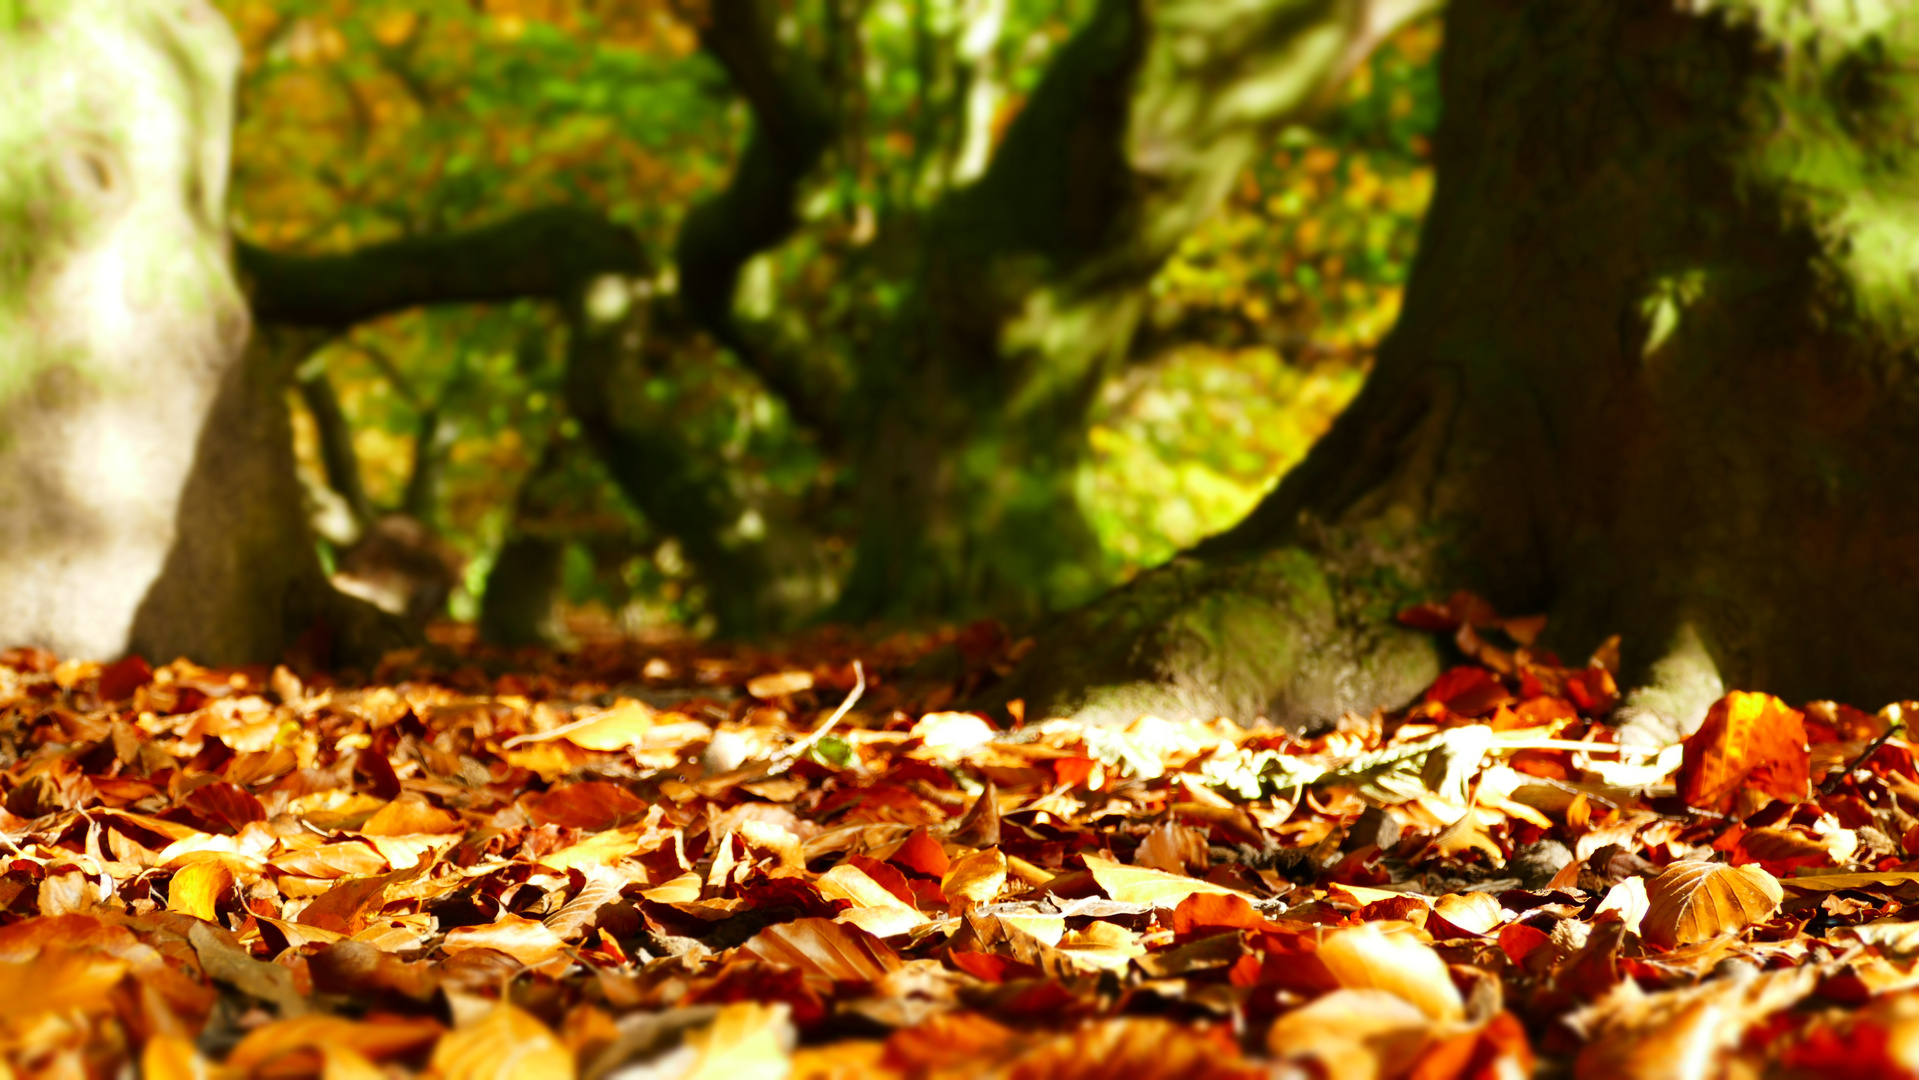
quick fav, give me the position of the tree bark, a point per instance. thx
(1638, 384)
(146, 478)
(1031, 283)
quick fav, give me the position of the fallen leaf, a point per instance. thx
(977, 878)
(779, 684)
(1475, 912)
(1628, 902)
(1693, 901)
(529, 941)
(506, 1044)
(1137, 885)
(1751, 741)
(1364, 957)
(746, 1041)
(195, 889)
(591, 805)
(824, 949)
(1353, 1034)
(391, 1037)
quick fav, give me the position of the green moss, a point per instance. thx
(1834, 133)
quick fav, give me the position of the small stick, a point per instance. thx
(785, 759)
(1832, 782)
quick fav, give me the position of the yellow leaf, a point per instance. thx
(1693, 901)
(506, 1044)
(1627, 902)
(1475, 913)
(197, 887)
(1364, 957)
(1353, 1035)
(875, 909)
(1138, 885)
(747, 1041)
(1751, 741)
(681, 890)
(172, 1057)
(977, 878)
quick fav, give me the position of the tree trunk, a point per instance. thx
(1649, 379)
(142, 503)
(1032, 281)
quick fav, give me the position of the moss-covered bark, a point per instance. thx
(1640, 381)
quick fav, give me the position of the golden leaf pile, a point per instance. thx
(648, 861)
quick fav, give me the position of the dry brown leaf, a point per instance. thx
(1173, 848)
(506, 1044)
(975, 879)
(1751, 741)
(1367, 957)
(529, 941)
(1693, 901)
(1138, 885)
(405, 817)
(824, 949)
(1678, 1034)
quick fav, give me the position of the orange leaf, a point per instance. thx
(1747, 741)
(592, 805)
(824, 949)
(527, 940)
(1364, 957)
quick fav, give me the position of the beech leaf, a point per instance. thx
(1694, 901)
(1138, 885)
(1746, 741)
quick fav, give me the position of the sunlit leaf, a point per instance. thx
(1693, 901)
(1749, 741)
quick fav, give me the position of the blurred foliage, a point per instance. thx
(364, 120)
(1273, 308)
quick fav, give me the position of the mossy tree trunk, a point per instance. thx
(1654, 376)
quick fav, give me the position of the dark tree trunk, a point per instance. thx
(1032, 279)
(1631, 388)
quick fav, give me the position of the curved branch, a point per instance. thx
(793, 126)
(543, 254)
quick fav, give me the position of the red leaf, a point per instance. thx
(923, 855)
(593, 805)
(1518, 941)
(224, 804)
(121, 678)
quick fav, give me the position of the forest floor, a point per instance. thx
(677, 860)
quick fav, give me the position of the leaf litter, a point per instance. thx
(685, 860)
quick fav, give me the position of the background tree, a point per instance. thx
(868, 130)
(1652, 376)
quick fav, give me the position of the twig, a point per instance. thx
(1832, 782)
(784, 759)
